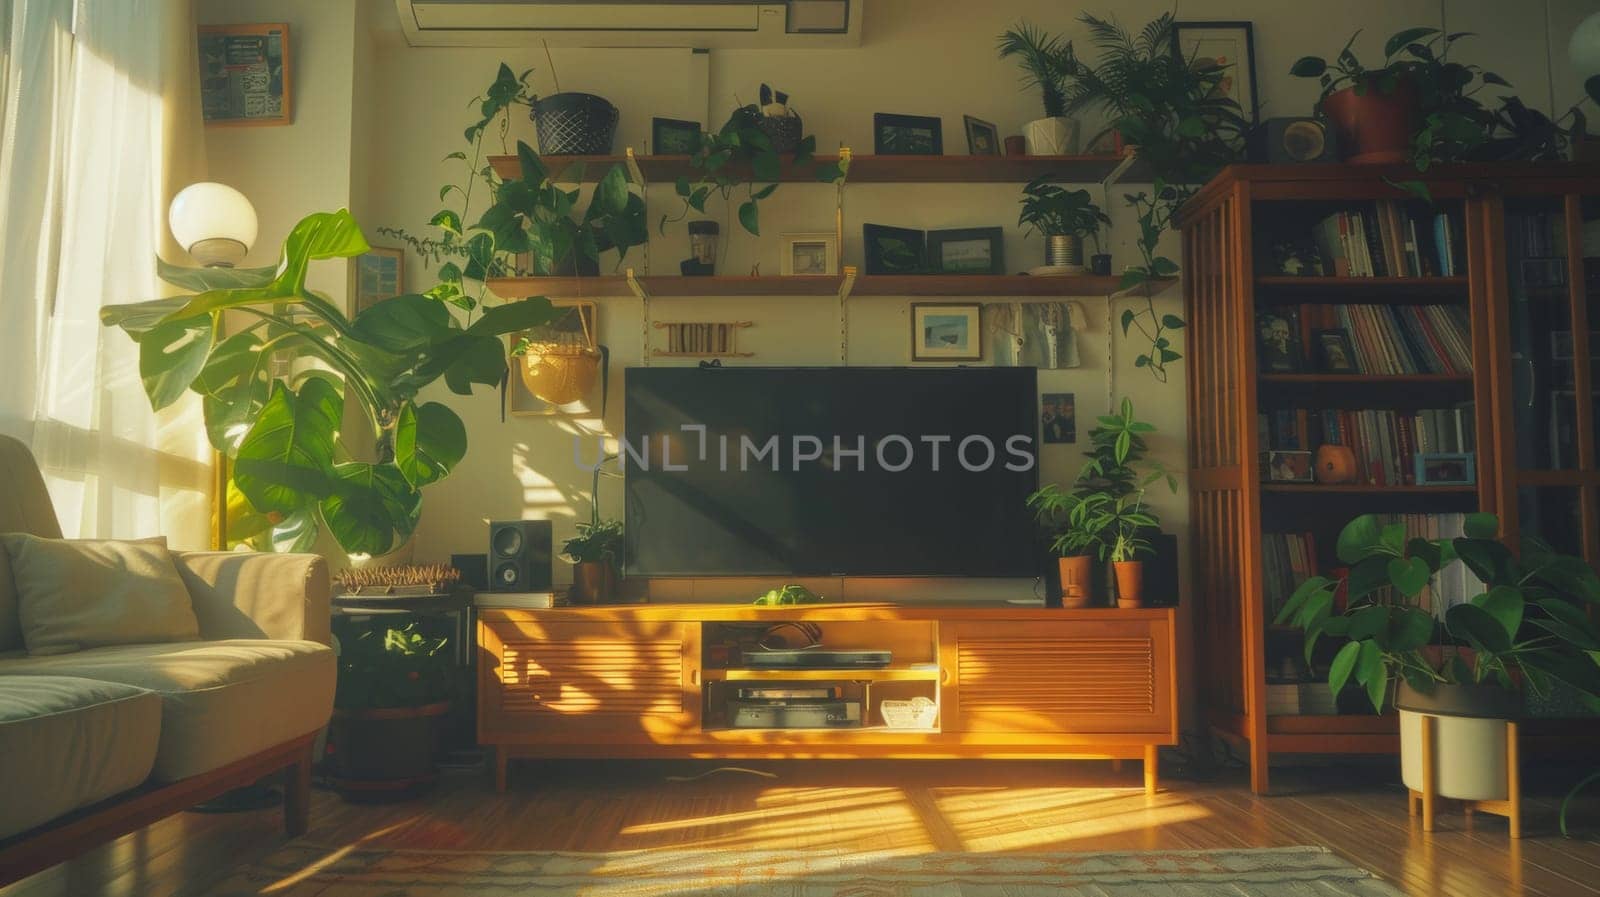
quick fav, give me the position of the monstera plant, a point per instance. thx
(273, 362)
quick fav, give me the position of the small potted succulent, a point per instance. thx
(1065, 217)
(394, 687)
(1529, 629)
(1047, 63)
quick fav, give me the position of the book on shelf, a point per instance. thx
(1385, 442)
(1381, 239)
(1385, 339)
(1288, 559)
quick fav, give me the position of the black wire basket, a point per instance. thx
(574, 124)
(783, 130)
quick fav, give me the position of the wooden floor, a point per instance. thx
(910, 807)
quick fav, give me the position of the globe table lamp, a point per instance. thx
(214, 223)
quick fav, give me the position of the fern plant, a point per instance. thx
(1047, 63)
(1185, 129)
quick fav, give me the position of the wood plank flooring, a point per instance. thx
(843, 806)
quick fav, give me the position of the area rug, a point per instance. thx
(311, 871)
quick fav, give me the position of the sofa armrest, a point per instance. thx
(258, 595)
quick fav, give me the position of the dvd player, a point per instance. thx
(814, 658)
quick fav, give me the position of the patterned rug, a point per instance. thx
(301, 870)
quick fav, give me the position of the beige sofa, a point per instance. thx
(98, 742)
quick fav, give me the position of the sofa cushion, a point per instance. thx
(70, 742)
(220, 701)
(86, 593)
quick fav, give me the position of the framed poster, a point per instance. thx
(244, 74)
(378, 274)
(946, 332)
(1230, 45)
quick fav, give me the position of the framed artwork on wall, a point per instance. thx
(245, 75)
(983, 138)
(942, 331)
(893, 250)
(907, 135)
(1227, 44)
(968, 250)
(378, 274)
(816, 253)
(671, 137)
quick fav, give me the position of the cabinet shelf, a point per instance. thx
(1366, 489)
(922, 672)
(1075, 169)
(1349, 379)
(1278, 288)
(612, 286)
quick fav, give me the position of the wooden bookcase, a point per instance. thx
(1535, 444)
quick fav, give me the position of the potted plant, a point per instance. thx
(1528, 629)
(1105, 516)
(394, 685)
(778, 120)
(1065, 217)
(595, 551)
(1047, 64)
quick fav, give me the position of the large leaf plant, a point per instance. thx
(292, 473)
(1530, 625)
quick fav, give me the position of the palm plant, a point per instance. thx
(1047, 63)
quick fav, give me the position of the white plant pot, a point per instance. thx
(1469, 751)
(1051, 136)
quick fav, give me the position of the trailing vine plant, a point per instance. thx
(1174, 112)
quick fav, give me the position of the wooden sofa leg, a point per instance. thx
(297, 794)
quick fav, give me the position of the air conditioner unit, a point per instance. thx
(707, 24)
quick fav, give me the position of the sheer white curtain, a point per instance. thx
(94, 116)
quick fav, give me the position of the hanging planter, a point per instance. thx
(560, 364)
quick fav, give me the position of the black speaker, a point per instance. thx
(519, 555)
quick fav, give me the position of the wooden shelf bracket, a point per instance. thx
(637, 286)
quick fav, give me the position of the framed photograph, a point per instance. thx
(1278, 342)
(983, 138)
(816, 253)
(907, 135)
(946, 332)
(1058, 418)
(1230, 45)
(245, 74)
(1287, 467)
(378, 274)
(893, 250)
(971, 250)
(671, 137)
(1446, 469)
(1335, 354)
(576, 326)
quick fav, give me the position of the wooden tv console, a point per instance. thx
(652, 681)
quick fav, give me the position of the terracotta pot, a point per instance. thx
(593, 582)
(1374, 127)
(1335, 464)
(1077, 585)
(1130, 583)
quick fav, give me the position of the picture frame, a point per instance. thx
(1278, 342)
(674, 137)
(1058, 418)
(1228, 44)
(1280, 466)
(1446, 469)
(579, 328)
(983, 138)
(1335, 353)
(246, 74)
(376, 275)
(809, 254)
(907, 135)
(893, 250)
(968, 250)
(946, 331)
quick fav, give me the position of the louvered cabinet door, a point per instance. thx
(1071, 678)
(571, 681)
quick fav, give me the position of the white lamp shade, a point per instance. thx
(213, 222)
(1584, 48)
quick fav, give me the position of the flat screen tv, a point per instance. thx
(852, 471)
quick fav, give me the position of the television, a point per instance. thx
(830, 471)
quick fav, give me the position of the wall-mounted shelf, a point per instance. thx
(1077, 169)
(996, 286)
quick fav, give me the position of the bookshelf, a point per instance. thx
(1523, 279)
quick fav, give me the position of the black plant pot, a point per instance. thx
(1100, 264)
(784, 131)
(384, 754)
(574, 124)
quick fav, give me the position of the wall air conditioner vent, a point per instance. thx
(708, 24)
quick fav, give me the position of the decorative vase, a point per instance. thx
(1100, 264)
(1130, 583)
(1077, 586)
(1051, 136)
(1064, 251)
(593, 582)
(1469, 741)
(384, 752)
(1374, 127)
(574, 124)
(1336, 464)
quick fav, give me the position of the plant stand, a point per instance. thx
(1511, 807)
